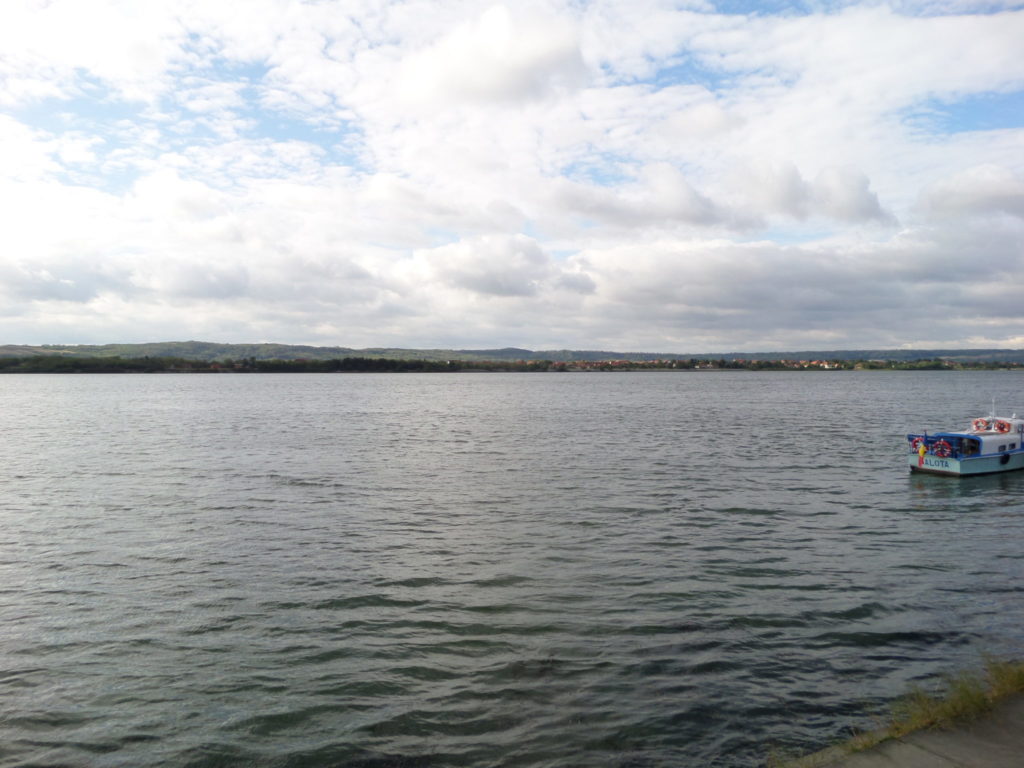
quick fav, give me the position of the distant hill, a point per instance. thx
(211, 351)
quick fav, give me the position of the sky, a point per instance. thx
(632, 175)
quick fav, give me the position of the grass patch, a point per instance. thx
(965, 697)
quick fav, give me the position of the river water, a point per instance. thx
(583, 569)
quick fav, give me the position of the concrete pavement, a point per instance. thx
(994, 741)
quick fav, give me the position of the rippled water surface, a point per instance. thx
(651, 569)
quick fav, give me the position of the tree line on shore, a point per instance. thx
(77, 364)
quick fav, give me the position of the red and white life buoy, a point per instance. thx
(980, 425)
(916, 443)
(942, 449)
(1002, 426)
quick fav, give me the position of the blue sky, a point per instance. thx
(668, 176)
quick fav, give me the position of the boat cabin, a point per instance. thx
(993, 440)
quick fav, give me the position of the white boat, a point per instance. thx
(990, 444)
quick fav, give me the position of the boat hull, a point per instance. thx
(975, 465)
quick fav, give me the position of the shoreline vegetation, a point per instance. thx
(964, 698)
(64, 363)
(214, 357)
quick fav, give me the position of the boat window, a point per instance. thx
(1002, 448)
(1013, 446)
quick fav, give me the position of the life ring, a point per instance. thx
(916, 443)
(1002, 426)
(942, 449)
(980, 425)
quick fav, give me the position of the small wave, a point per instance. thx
(882, 639)
(364, 601)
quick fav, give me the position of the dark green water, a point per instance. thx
(654, 569)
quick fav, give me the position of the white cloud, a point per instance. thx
(845, 195)
(25, 154)
(549, 173)
(979, 190)
(704, 120)
(500, 56)
(496, 266)
(660, 195)
(49, 46)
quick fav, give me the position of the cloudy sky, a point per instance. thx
(603, 174)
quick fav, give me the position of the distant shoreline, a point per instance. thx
(114, 364)
(216, 352)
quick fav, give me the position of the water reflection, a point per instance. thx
(928, 489)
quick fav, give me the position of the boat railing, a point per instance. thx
(959, 446)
